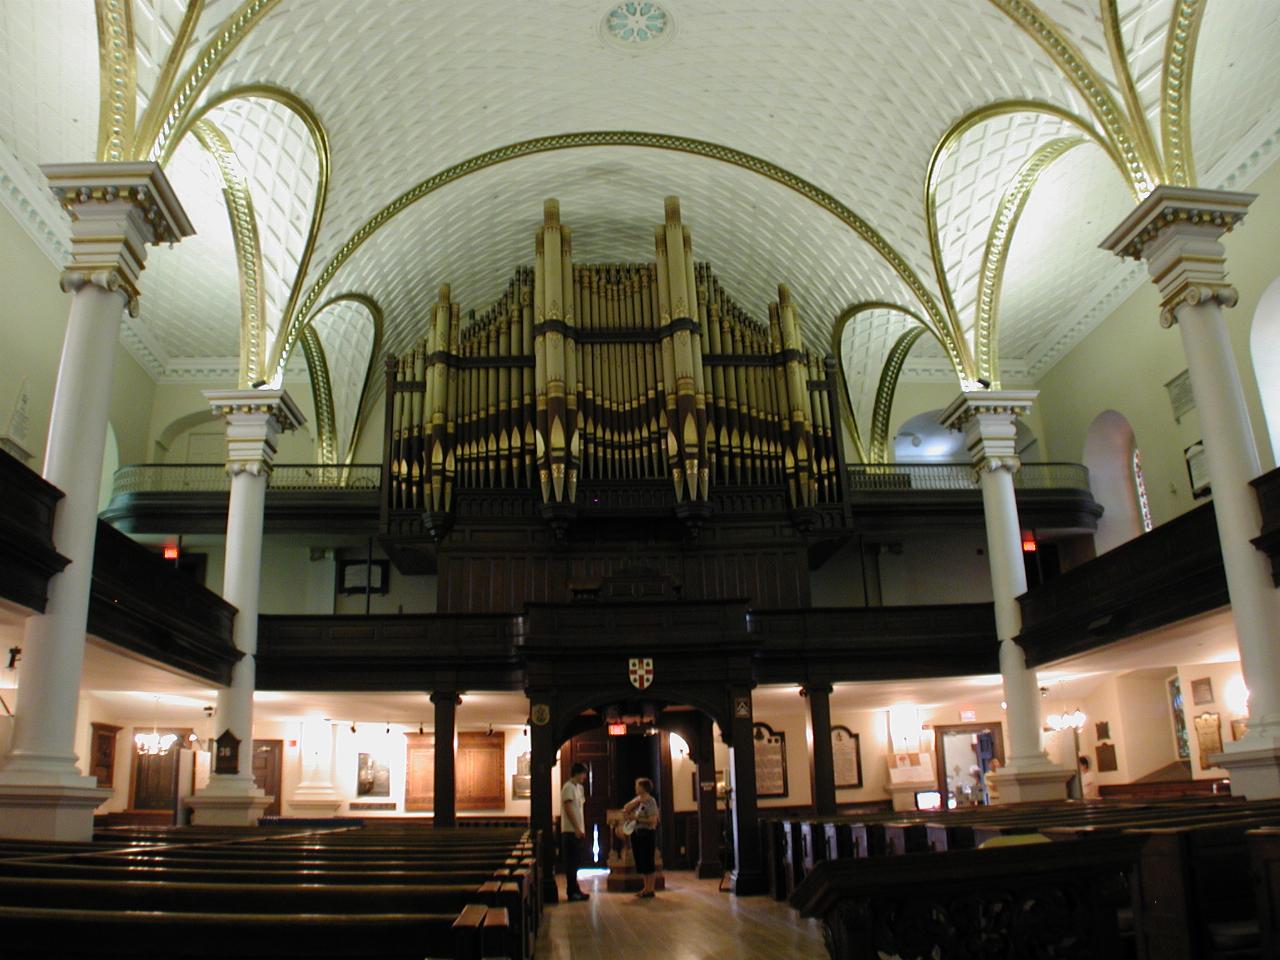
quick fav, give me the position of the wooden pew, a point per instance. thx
(476, 896)
(1047, 900)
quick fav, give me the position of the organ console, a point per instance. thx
(591, 373)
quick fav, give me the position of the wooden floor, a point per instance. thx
(690, 920)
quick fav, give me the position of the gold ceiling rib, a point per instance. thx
(942, 151)
(156, 106)
(118, 79)
(244, 231)
(996, 253)
(625, 138)
(322, 395)
(1124, 78)
(320, 137)
(885, 391)
(1076, 68)
(234, 29)
(370, 381)
(1175, 100)
(847, 316)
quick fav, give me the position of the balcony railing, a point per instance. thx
(868, 477)
(212, 477)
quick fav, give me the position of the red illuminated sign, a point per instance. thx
(617, 729)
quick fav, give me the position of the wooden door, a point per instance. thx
(153, 782)
(268, 770)
(595, 749)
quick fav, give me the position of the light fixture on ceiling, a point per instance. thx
(421, 729)
(353, 726)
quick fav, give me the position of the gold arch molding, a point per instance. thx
(327, 440)
(877, 450)
(627, 138)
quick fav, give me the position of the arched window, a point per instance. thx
(1140, 487)
(1264, 345)
(1115, 477)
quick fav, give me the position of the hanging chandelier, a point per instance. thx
(1065, 721)
(155, 743)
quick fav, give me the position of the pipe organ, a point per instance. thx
(585, 374)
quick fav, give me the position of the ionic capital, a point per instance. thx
(255, 419)
(1178, 232)
(116, 209)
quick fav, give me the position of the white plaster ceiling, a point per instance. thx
(347, 333)
(852, 96)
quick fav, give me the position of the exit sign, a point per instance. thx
(968, 716)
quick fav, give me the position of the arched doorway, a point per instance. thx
(1264, 348)
(1111, 454)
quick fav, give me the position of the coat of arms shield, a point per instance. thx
(640, 672)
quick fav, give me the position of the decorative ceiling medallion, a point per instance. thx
(637, 26)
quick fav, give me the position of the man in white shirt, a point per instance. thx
(573, 829)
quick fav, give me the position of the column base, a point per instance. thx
(228, 802)
(1031, 781)
(745, 883)
(904, 794)
(316, 801)
(1254, 765)
(49, 812)
(710, 871)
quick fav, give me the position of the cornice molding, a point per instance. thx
(35, 209)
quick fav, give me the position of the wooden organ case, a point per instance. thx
(608, 416)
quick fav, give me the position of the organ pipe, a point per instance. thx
(622, 372)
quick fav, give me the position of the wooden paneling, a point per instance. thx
(480, 763)
(503, 583)
(102, 752)
(419, 771)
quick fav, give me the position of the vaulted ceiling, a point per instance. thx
(904, 165)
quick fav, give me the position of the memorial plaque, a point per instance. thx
(420, 771)
(846, 755)
(522, 779)
(771, 762)
(1107, 758)
(1209, 734)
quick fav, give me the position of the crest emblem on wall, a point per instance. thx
(640, 672)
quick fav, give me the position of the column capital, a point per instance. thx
(445, 696)
(1177, 231)
(255, 418)
(988, 420)
(116, 209)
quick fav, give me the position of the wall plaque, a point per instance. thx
(771, 762)
(1209, 734)
(1107, 758)
(522, 779)
(846, 755)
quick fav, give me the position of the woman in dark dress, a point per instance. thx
(643, 810)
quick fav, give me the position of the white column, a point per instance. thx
(255, 419)
(316, 794)
(989, 421)
(1178, 232)
(116, 210)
